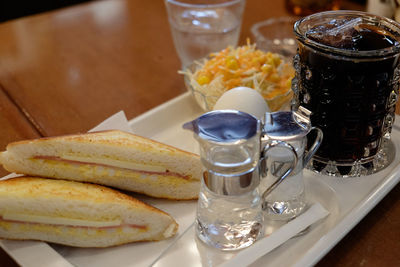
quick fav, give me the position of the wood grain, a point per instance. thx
(14, 125)
(71, 69)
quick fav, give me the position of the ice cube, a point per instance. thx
(336, 33)
(354, 34)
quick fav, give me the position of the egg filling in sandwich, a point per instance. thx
(77, 214)
(114, 158)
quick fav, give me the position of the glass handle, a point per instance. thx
(263, 165)
(314, 147)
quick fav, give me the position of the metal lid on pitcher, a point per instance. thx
(224, 126)
(287, 125)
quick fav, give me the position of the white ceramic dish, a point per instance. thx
(347, 200)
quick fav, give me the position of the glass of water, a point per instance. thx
(200, 27)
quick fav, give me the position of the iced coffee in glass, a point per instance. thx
(347, 75)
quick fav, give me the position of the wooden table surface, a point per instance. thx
(65, 71)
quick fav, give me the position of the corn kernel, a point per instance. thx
(270, 61)
(203, 79)
(232, 63)
(276, 61)
(266, 68)
(262, 58)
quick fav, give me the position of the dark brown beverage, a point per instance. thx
(347, 75)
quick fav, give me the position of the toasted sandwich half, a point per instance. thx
(114, 158)
(77, 214)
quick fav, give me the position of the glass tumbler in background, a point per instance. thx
(200, 27)
(347, 75)
(276, 35)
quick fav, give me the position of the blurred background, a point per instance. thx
(12, 9)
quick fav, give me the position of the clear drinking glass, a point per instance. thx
(200, 27)
(347, 75)
(276, 35)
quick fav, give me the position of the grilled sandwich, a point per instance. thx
(113, 158)
(77, 214)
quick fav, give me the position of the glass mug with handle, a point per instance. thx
(348, 75)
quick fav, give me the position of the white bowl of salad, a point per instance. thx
(266, 72)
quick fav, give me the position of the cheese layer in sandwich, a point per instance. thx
(77, 214)
(114, 158)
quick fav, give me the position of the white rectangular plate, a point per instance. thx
(347, 200)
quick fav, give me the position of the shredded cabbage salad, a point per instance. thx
(247, 66)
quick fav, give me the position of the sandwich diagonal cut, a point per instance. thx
(113, 158)
(77, 214)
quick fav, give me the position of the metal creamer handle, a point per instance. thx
(314, 147)
(263, 166)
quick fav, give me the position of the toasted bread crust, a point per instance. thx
(109, 137)
(33, 187)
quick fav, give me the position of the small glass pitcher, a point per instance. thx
(287, 200)
(229, 214)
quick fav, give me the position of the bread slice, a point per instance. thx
(114, 158)
(77, 214)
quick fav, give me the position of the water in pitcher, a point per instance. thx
(229, 222)
(200, 32)
(288, 200)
